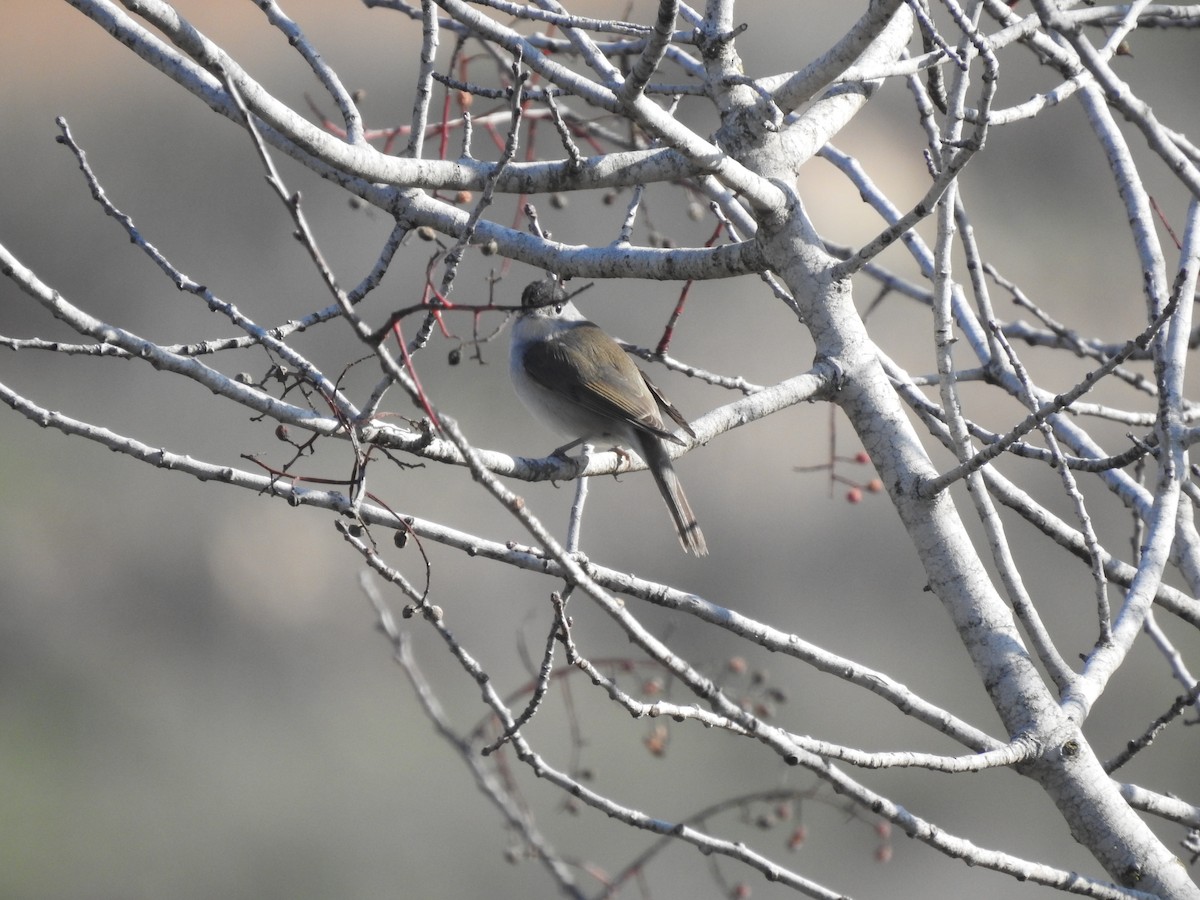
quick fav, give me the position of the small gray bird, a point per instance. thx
(578, 381)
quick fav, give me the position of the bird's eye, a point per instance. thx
(558, 308)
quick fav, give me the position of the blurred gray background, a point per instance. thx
(194, 702)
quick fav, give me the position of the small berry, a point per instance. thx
(799, 836)
(656, 740)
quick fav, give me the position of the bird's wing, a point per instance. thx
(615, 388)
(668, 407)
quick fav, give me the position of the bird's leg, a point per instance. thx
(621, 452)
(561, 452)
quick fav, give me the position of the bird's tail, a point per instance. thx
(659, 460)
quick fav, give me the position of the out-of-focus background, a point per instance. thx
(194, 701)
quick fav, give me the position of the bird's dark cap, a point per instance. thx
(546, 292)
